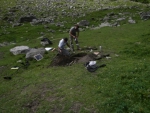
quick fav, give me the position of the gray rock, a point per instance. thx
(8, 18)
(59, 24)
(42, 21)
(83, 23)
(120, 19)
(116, 24)
(35, 22)
(16, 24)
(26, 19)
(131, 21)
(13, 9)
(19, 50)
(51, 30)
(106, 18)
(145, 15)
(104, 24)
(33, 51)
(4, 44)
(44, 43)
(111, 14)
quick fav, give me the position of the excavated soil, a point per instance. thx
(60, 60)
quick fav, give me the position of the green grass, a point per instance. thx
(120, 87)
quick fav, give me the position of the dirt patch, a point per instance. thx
(75, 108)
(37, 94)
(60, 60)
(86, 58)
(33, 106)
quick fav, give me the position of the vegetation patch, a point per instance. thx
(117, 29)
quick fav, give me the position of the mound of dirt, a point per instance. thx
(86, 58)
(61, 60)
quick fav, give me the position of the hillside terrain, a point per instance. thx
(114, 33)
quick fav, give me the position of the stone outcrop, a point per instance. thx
(30, 54)
(19, 50)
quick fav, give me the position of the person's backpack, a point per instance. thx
(92, 67)
(46, 40)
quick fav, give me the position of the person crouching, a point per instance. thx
(61, 47)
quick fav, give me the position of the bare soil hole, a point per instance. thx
(60, 60)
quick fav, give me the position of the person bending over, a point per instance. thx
(61, 47)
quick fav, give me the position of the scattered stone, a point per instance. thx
(131, 21)
(106, 18)
(42, 21)
(27, 19)
(13, 9)
(145, 15)
(46, 41)
(4, 44)
(59, 24)
(41, 33)
(83, 23)
(105, 24)
(111, 14)
(116, 24)
(120, 19)
(16, 24)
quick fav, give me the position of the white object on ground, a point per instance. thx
(15, 68)
(100, 48)
(108, 57)
(48, 48)
(92, 63)
(96, 53)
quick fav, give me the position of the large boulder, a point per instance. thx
(19, 50)
(33, 52)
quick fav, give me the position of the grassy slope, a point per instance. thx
(121, 86)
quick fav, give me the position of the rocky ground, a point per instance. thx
(53, 11)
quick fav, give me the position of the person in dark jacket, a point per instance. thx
(74, 34)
